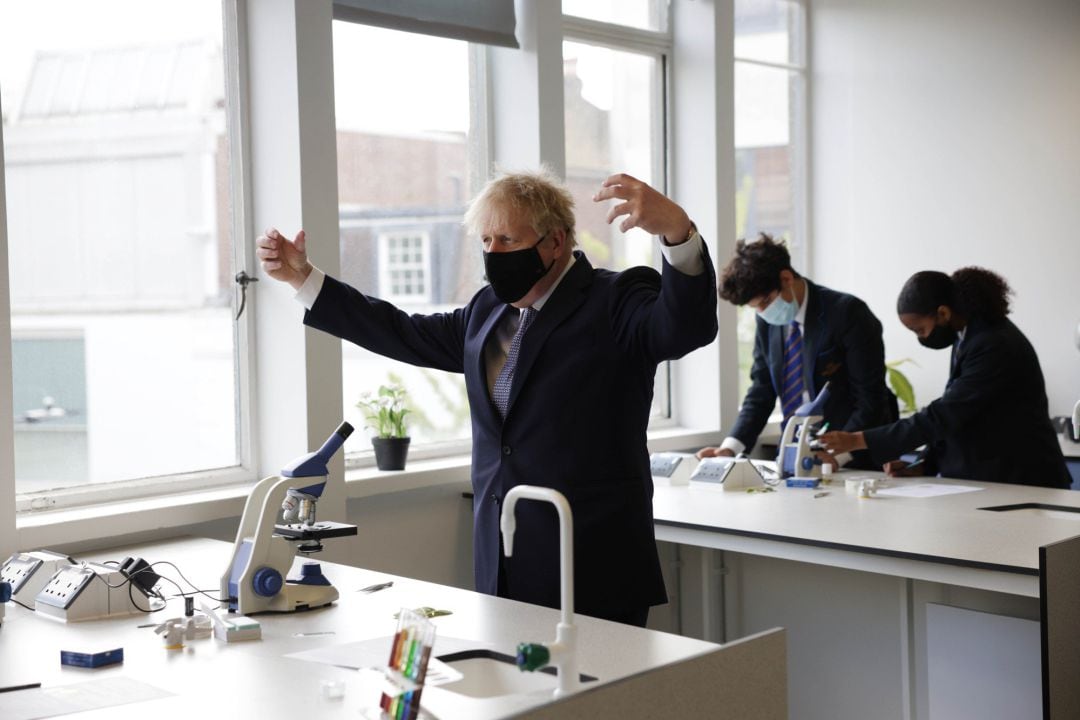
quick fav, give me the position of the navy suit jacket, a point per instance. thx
(843, 340)
(993, 421)
(578, 413)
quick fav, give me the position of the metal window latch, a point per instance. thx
(243, 279)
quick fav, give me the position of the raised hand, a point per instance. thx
(645, 208)
(284, 259)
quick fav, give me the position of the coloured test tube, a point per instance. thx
(386, 702)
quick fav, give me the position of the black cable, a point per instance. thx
(136, 605)
(195, 588)
(127, 581)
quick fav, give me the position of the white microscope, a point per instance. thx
(796, 455)
(257, 577)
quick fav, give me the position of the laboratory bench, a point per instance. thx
(924, 605)
(1071, 450)
(298, 664)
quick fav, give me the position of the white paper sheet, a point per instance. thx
(48, 702)
(375, 652)
(926, 490)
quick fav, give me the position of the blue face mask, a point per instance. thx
(780, 311)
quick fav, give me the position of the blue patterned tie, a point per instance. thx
(791, 387)
(500, 392)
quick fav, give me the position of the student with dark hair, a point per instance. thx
(807, 335)
(993, 421)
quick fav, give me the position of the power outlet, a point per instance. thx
(29, 572)
(17, 570)
(65, 586)
(89, 591)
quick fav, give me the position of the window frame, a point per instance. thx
(659, 46)
(237, 129)
(271, 423)
(799, 72)
(387, 267)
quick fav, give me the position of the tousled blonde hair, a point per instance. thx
(539, 195)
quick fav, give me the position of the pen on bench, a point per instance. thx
(376, 588)
(28, 686)
(820, 495)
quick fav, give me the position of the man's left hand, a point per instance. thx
(645, 208)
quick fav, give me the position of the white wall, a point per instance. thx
(943, 135)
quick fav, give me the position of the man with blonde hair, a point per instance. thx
(559, 360)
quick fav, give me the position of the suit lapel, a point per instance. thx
(815, 326)
(776, 356)
(567, 298)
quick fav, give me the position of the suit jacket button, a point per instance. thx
(507, 450)
(495, 498)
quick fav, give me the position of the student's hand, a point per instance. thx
(645, 208)
(284, 259)
(899, 468)
(837, 441)
(828, 458)
(708, 452)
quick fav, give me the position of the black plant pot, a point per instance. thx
(390, 453)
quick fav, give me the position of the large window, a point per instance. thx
(770, 136)
(614, 104)
(119, 240)
(644, 14)
(404, 163)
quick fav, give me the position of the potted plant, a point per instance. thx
(385, 414)
(901, 386)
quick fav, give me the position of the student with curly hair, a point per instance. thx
(993, 422)
(807, 335)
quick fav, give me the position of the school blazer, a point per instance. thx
(578, 411)
(993, 421)
(842, 340)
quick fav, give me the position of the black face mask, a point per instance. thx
(941, 337)
(513, 274)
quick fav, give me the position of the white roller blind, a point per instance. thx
(481, 21)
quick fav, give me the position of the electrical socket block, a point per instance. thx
(89, 591)
(29, 572)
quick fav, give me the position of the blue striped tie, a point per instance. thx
(791, 387)
(500, 392)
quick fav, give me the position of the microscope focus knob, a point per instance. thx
(266, 582)
(808, 463)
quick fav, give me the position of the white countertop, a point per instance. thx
(256, 679)
(950, 529)
(1070, 449)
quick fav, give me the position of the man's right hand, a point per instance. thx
(709, 452)
(284, 259)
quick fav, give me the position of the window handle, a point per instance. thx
(243, 279)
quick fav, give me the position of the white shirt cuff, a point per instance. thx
(843, 459)
(732, 444)
(686, 257)
(309, 291)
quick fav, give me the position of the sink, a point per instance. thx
(1042, 510)
(489, 674)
